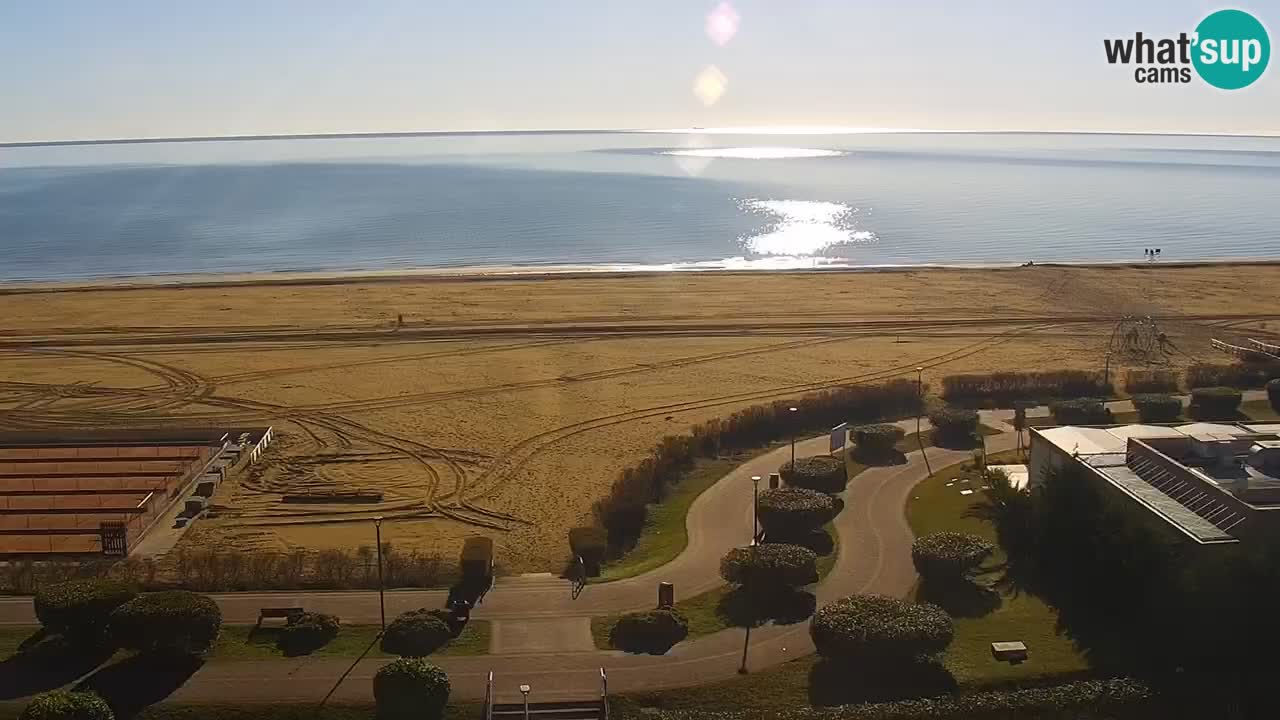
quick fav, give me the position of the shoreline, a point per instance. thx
(499, 273)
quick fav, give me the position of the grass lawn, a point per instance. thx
(778, 689)
(262, 711)
(665, 535)
(1259, 410)
(935, 507)
(236, 643)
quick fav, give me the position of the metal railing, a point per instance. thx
(604, 694)
(488, 698)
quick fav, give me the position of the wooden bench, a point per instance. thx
(289, 613)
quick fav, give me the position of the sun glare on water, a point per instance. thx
(803, 229)
(755, 153)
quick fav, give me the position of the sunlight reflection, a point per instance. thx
(756, 153)
(803, 228)
(722, 24)
(710, 85)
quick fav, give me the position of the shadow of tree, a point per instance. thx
(961, 598)
(47, 661)
(957, 442)
(744, 608)
(132, 684)
(836, 682)
(891, 457)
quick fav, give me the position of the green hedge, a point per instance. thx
(67, 705)
(770, 566)
(1081, 411)
(1150, 381)
(1215, 403)
(1154, 408)
(1003, 387)
(1273, 394)
(653, 632)
(416, 633)
(591, 544)
(170, 622)
(791, 512)
(877, 440)
(307, 633)
(822, 473)
(1237, 375)
(410, 689)
(876, 628)
(954, 423)
(1084, 699)
(79, 606)
(949, 555)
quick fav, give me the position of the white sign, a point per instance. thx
(839, 434)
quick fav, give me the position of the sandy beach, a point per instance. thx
(507, 404)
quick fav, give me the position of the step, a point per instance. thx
(549, 710)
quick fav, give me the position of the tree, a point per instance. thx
(877, 441)
(792, 512)
(949, 556)
(591, 544)
(80, 606)
(652, 632)
(875, 628)
(67, 705)
(953, 424)
(1273, 394)
(770, 567)
(822, 473)
(308, 632)
(170, 622)
(416, 633)
(410, 689)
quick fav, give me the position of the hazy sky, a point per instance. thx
(95, 69)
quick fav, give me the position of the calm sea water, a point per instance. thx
(632, 199)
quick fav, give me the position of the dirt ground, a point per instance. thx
(506, 406)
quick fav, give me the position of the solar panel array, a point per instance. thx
(1188, 492)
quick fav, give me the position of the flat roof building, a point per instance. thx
(1215, 483)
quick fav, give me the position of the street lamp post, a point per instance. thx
(919, 410)
(524, 690)
(793, 412)
(1106, 369)
(755, 507)
(382, 603)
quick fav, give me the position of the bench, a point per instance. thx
(289, 613)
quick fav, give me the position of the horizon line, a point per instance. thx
(730, 130)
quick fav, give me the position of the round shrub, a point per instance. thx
(591, 544)
(953, 423)
(170, 622)
(652, 632)
(877, 440)
(949, 555)
(819, 472)
(791, 512)
(1215, 403)
(1273, 394)
(80, 605)
(876, 628)
(67, 705)
(1156, 408)
(770, 566)
(410, 688)
(416, 633)
(1081, 411)
(308, 632)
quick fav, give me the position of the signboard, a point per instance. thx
(839, 434)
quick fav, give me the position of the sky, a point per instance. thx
(87, 69)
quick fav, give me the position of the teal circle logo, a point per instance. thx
(1231, 49)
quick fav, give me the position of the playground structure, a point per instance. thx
(1139, 340)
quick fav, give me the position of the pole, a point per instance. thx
(919, 410)
(524, 690)
(755, 507)
(382, 602)
(1106, 370)
(793, 412)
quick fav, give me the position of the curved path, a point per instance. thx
(873, 556)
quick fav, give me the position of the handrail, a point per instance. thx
(604, 694)
(488, 698)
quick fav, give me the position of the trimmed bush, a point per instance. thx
(953, 423)
(1003, 387)
(308, 632)
(80, 606)
(770, 566)
(1215, 403)
(822, 473)
(170, 622)
(1273, 394)
(875, 628)
(1237, 375)
(476, 560)
(1153, 408)
(67, 705)
(1138, 382)
(652, 632)
(591, 544)
(416, 633)
(410, 689)
(949, 555)
(1081, 411)
(877, 440)
(790, 512)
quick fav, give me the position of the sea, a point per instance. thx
(665, 200)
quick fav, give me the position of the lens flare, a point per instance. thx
(722, 24)
(710, 85)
